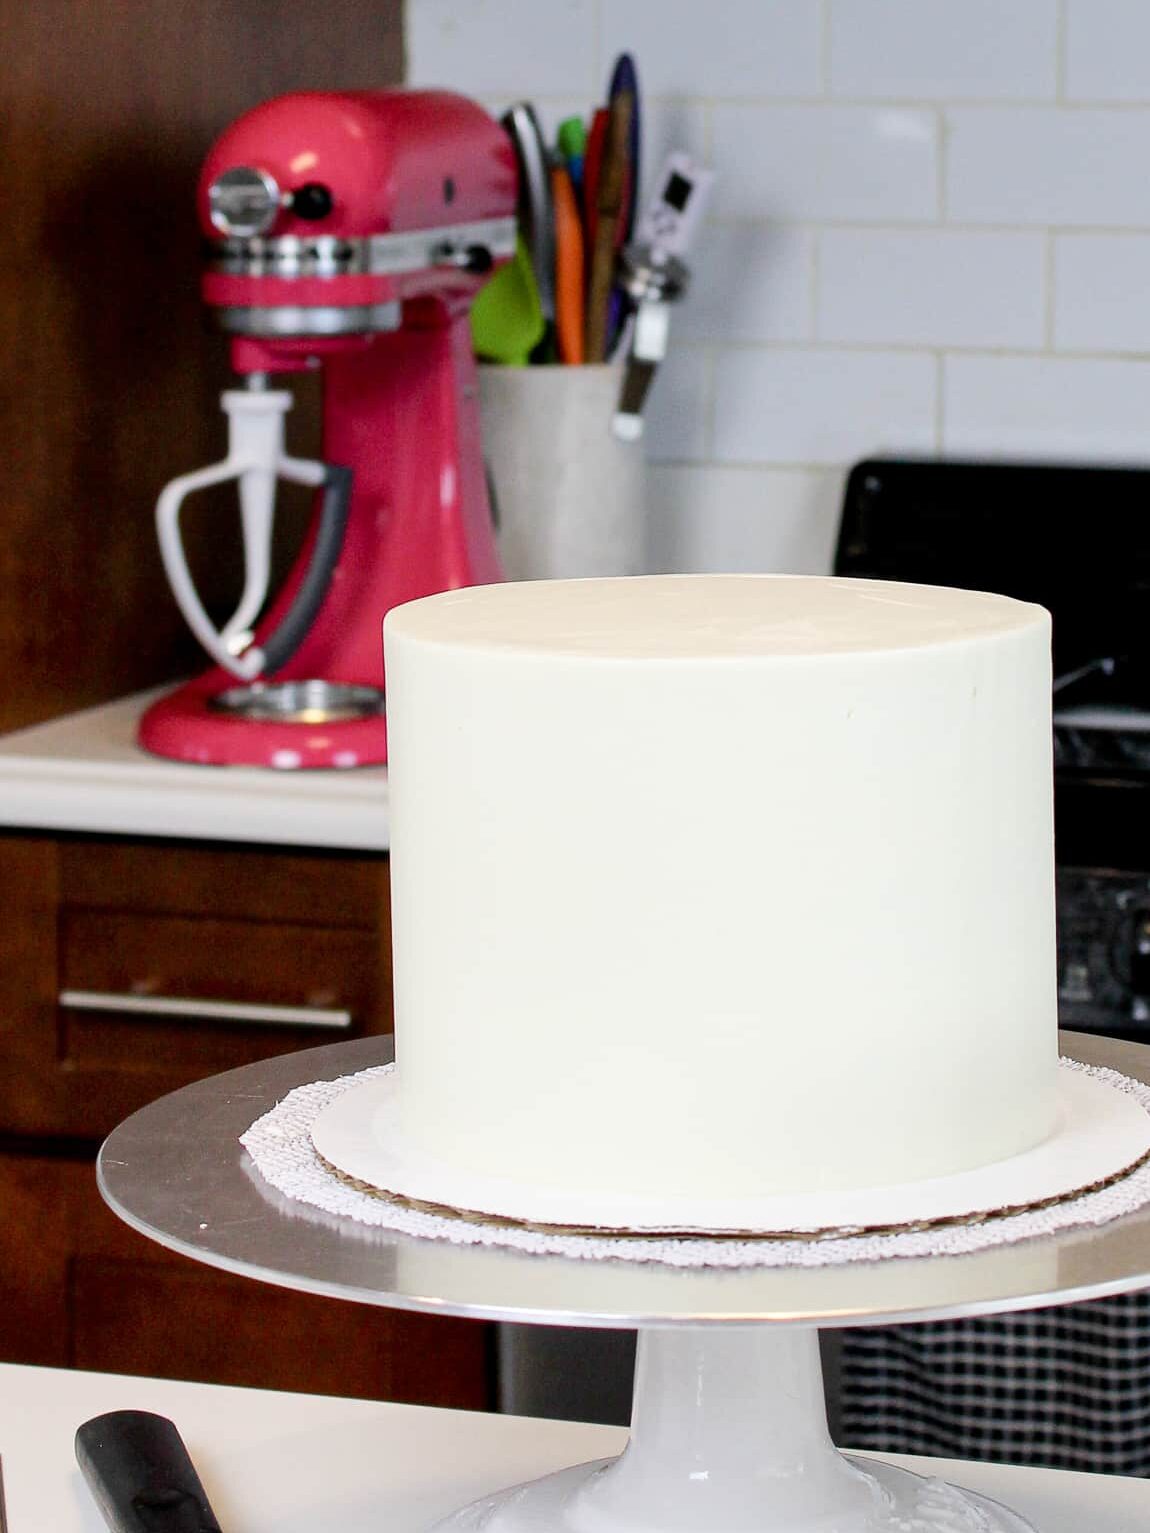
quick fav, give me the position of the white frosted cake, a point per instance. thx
(715, 886)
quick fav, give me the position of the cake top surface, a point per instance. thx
(707, 616)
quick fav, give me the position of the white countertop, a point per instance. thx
(281, 1463)
(84, 772)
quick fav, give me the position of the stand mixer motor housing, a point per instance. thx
(347, 232)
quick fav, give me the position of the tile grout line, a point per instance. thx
(1048, 276)
(825, 49)
(829, 346)
(923, 226)
(943, 157)
(766, 102)
(710, 391)
(1061, 25)
(816, 282)
(748, 466)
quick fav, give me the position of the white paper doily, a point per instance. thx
(281, 1148)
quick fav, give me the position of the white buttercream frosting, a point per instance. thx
(687, 617)
(760, 866)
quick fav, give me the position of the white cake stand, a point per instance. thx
(729, 1426)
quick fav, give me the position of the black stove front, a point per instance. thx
(1076, 540)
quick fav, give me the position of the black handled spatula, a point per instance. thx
(139, 1471)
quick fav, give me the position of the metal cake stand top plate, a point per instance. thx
(176, 1172)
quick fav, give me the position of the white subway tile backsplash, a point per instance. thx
(1102, 292)
(798, 163)
(799, 405)
(677, 407)
(931, 287)
(895, 178)
(684, 48)
(749, 282)
(722, 520)
(516, 46)
(1047, 407)
(1108, 50)
(1046, 166)
(939, 49)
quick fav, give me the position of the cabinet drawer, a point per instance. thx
(130, 969)
(240, 882)
(141, 993)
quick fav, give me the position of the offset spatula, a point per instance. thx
(139, 1471)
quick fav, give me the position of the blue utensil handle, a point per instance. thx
(625, 77)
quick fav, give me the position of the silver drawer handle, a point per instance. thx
(214, 1011)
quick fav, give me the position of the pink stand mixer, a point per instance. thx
(348, 232)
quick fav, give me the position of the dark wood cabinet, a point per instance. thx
(175, 922)
(109, 376)
(109, 384)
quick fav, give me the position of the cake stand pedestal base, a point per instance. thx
(729, 1435)
(729, 1432)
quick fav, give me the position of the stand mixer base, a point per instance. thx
(729, 1435)
(290, 725)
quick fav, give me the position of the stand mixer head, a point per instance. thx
(347, 232)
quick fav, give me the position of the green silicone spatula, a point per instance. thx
(506, 318)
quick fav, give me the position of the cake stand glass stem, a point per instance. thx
(729, 1435)
(711, 1446)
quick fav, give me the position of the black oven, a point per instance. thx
(1076, 540)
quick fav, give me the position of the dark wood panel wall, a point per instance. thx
(108, 378)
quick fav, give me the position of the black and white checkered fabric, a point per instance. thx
(1064, 1388)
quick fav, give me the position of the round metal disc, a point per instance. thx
(300, 702)
(175, 1171)
(243, 201)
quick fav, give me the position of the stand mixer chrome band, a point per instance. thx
(379, 255)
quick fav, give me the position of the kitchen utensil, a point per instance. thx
(140, 1473)
(507, 321)
(349, 233)
(569, 267)
(592, 163)
(609, 197)
(653, 273)
(536, 216)
(571, 142)
(625, 78)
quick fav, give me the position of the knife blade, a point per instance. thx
(141, 1475)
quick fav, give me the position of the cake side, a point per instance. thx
(738, 913)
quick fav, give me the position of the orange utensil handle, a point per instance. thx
(569, 267)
